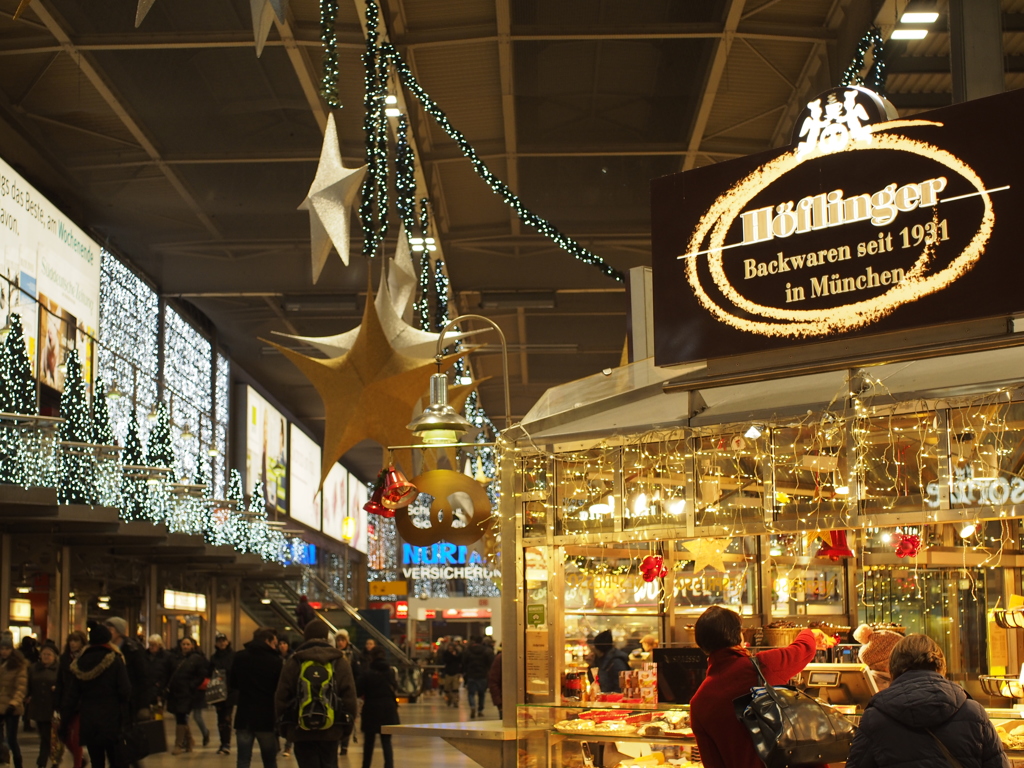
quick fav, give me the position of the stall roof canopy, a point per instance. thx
(633, 399)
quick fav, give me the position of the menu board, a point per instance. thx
(266, 455)
(305, 479)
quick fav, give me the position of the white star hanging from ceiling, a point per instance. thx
(329, 201)
(141, 10)
(263, 13)
(402, 278)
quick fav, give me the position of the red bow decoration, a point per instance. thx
(837, 548)
(653, 567)
(907, 544)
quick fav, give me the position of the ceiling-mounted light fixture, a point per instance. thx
(114, 393)
(968, 530)
(186, 433)
(919, 17)
(391, 99)
(909, 34)
(213, 451)
(266, 598)
(152, 415)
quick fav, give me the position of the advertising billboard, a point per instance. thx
(357, 498)
(304, 499)
(266, 452)
(864, 224)
(51, 277)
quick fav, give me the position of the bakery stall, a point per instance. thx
(887, 495)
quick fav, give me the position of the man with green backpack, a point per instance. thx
(316, 698)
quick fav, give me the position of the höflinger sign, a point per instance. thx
(865, 223)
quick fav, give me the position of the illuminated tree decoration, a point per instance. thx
(17, 371)
(77, 476)
(202, 478)
(102, 430)
(133, 488)
(235, 492)
(160, 452)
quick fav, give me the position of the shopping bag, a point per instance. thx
(217, 688)
(56, 745)
(790, 728)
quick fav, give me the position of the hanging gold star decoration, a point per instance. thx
(369, 393)
(329, 201)
(707, 553)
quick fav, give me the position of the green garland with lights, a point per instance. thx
(373, 209)
(405, 178)
(875, 78)
(329, 79)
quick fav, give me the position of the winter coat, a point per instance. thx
(99, 694)
(254, 675)
(138, 673)
(354, 659)
(894, 728)
(608, 668)
(494, 680)
(476, 661)
(321, 652)
(222, 660)
(42, 700)
(183, 685)
(64, 676)
(377, 688)
(451, 660)
(13, 683)
(159, 666)
(723, 741)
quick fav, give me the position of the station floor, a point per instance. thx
(410, 751)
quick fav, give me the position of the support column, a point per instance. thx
(63, 591)
(236, 613)
(976, 49)
(211, 613)
(152, 601)
(5, 581)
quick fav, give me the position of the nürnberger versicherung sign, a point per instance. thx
(859, 226)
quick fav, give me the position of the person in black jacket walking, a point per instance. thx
(42, 700)
(354, 659)
(159, 665)
(921, 716)
(380, 707)
(476, 664)
(183, 687)
(450, 660)
(253, 677)
(134, 662)
(220, 663)
(100, 695)
(315, 747)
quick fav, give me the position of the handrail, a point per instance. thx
(353, 612)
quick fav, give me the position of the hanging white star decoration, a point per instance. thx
(329, 202)
(141, 10)
(263, 13)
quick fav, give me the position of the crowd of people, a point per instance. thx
(473, 663)
(88, 698)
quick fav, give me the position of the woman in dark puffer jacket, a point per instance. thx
(921, 713)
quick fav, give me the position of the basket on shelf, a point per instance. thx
(1005, 686)
(1010, 619)
(777, 637)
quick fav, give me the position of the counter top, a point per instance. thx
(485, 730)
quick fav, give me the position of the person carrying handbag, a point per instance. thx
(723, 740)
(924, 719)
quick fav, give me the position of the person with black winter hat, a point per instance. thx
(316, 739)
(70, 732)
(253, 676)
(220, 663)
(100, 696)
(42, 702)
(924, 719)
(13, 690)
(610, 662)
(183, 689)
(380, 706)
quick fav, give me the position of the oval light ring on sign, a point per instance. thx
(819, 322)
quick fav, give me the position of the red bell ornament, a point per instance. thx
(398, 492)
(836, 548)
(374, 505)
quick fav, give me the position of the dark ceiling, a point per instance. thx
(187, 155)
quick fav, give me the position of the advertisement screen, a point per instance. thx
(857, 227)
(305, 472)
(357, 498)
(266, 454)
(335, 502)
(51, 277)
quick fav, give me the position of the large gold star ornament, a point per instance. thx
(329, 202)
(707, 553)
(369, 393)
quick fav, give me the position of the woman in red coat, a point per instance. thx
(721, 738)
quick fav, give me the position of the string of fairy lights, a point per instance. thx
(875, 77)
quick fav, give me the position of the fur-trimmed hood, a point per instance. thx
(94, 661)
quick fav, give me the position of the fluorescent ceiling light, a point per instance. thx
(393, 112)
(909, 34)
(919, 18)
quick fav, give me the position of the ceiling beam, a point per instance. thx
(733, 12)
(299, 58)
(92, 73)
(503, 13)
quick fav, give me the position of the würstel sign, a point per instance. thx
(863, 224)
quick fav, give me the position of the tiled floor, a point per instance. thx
(410, 751)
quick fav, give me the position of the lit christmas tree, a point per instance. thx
(133, 488)
(76, 482)
(21, 389)
(203, 478)
(102, 431)
(235, 492)
(160, 451)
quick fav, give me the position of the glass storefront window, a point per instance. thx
(655, 479)
(735, 587)
(731, 468)
(537, 495)
(986, 446)
(899, 457)
(811, 473)
(587, 491)
(802, 588)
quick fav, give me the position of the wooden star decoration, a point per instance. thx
(707, 553)
(329, 201)
(369, 393)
